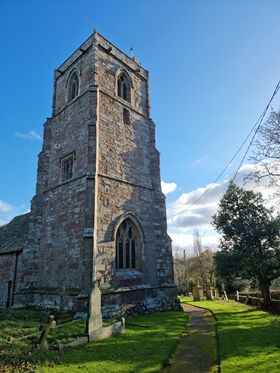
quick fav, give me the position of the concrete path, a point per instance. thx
(197, 350)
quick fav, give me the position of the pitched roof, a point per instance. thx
(13, 236)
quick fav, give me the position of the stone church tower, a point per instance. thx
(98, 213)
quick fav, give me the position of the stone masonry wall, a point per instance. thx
(163, 242)
(8, 264)
(84, 65)
(110, 64)
(58, 256)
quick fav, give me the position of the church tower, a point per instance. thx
(98, 214)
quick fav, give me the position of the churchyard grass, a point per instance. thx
(146, 346)
(248, 338)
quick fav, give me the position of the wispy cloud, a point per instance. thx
(203, 159)
(5, 207)
(9, 211)
(168, 187)
(31, 135)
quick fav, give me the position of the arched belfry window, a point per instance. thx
(128, 244)
(73, 86)
(124, 86)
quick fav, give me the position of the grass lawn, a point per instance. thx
(148, 343)
(249, 339)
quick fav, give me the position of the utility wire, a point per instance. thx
(254, 128)
(206, 230)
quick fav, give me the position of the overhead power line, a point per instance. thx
(257, 129)
(254, 129)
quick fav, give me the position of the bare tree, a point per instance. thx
(196, 268)
(202, 263)
(197, 245)
(181, 269)
(267, 151)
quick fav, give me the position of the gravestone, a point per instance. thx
(197, 293)
(94, 322)
(43, 344)
(209, 294)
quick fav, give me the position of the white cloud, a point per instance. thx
(8, 211)
(183, 240)
(210, 193)
(31, 135)
(5, 207)
(195, 209)
(167, 187)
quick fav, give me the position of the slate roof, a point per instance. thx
(13, 236)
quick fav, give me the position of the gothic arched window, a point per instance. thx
(124, 87)
(73, 86)
(127, 244)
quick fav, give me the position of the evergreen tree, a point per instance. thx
(250, 242)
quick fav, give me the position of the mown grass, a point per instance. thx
(145, 347)
(15, 324)
(249, 339)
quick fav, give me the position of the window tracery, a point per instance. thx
(127, 241)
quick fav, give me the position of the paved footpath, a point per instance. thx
(197, 350)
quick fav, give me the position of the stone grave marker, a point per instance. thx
(43, 344)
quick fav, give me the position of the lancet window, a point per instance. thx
(124, 87)
(73, 86)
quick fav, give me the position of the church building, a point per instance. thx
(98, 215)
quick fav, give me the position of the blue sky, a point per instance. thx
(213, 67)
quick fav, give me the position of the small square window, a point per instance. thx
(67, 168)
(126, 116)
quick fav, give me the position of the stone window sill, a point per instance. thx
(128, 273)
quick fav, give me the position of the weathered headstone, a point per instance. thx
(237, 295)
(43, 344)
(209, 294)
(94, 322)
(197, 293)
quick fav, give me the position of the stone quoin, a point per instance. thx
(98, 215)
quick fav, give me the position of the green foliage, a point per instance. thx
(248, 338)
(250, 243)
(147, 344)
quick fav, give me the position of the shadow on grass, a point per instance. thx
(249, 338)
(138, 350)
